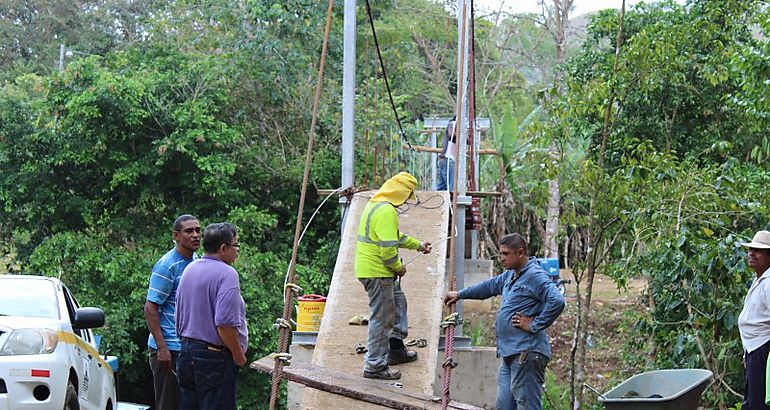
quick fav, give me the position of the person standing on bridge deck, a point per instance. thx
(754, 322)
(160, 310)
(446, 159)
(379, 269)
(211, 322)
(530, 304)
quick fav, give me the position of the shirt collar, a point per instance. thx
(515, 275)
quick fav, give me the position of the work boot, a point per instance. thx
(385, 374)
(402, 355)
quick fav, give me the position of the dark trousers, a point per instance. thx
(756, 368)
(207, 377)
(165, 383)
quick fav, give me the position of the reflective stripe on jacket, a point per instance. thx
(379, 240)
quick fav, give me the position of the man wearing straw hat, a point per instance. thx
(379, 269)
(754, 322)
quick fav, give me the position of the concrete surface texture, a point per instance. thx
(474, 381)
(423, 285)
(476, 271)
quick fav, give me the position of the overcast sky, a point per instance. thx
(531, 6)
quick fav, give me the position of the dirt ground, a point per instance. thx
(603, 357)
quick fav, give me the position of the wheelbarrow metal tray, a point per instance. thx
(672, 389)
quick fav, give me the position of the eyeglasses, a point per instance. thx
(234, 245)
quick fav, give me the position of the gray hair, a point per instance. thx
(217, 234)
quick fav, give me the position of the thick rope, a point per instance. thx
(289, 291)
(449, 335)
(475, 208)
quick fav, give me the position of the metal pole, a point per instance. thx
(348, 99)
(461, 162)
(433, 157)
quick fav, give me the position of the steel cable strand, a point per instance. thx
(288, 291)
(385, 76)
(452, 275)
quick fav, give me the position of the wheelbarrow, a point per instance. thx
(672, 389)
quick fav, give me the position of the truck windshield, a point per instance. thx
(28, 298)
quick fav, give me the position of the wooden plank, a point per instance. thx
(371, 391)
(441, 130)
(477, 194)
(421, 148)
(423, 285)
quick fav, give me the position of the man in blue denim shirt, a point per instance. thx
(530, 304)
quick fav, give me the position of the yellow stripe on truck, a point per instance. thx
(73, 339)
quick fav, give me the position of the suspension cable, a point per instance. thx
(449, 330)
(385, 75)
(289, 291)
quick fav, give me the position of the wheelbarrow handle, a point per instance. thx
(595, 391)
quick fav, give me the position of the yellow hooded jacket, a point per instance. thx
(378, 234)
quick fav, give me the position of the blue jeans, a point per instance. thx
(446, 174)
(206, 377)
(520, 382)
(387, 318)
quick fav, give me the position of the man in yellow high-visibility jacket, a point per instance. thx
(379, 268)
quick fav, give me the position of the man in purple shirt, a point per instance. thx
(211, 323)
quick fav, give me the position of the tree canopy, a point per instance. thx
(163, 108)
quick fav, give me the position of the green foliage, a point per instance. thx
(115, 278)
(31, 32)
(205, 108)
(555, 394)
(749, 63)
(674, 80)
(686, 240)
(196, 118)
(673, 196)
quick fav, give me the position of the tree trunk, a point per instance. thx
(573, 375)
(556, 21)
(581, 330)
(566, 252)
(594, 254)
(552, 219)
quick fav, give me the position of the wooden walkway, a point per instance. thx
(423, 284)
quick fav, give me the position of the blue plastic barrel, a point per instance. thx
(551, 265)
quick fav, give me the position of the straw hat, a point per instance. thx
(761, 240)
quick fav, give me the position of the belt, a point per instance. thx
(207, 345)
(519, 357)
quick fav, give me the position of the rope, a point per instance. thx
(449, 335)
(288, 291)
(385, 76)
(296, 288)
(347, 193)
(475, 208)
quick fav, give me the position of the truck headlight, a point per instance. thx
(28, 341)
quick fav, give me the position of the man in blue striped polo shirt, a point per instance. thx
(160, 310)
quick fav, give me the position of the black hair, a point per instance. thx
(181, 219)
(217, 234)
(514, 241)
